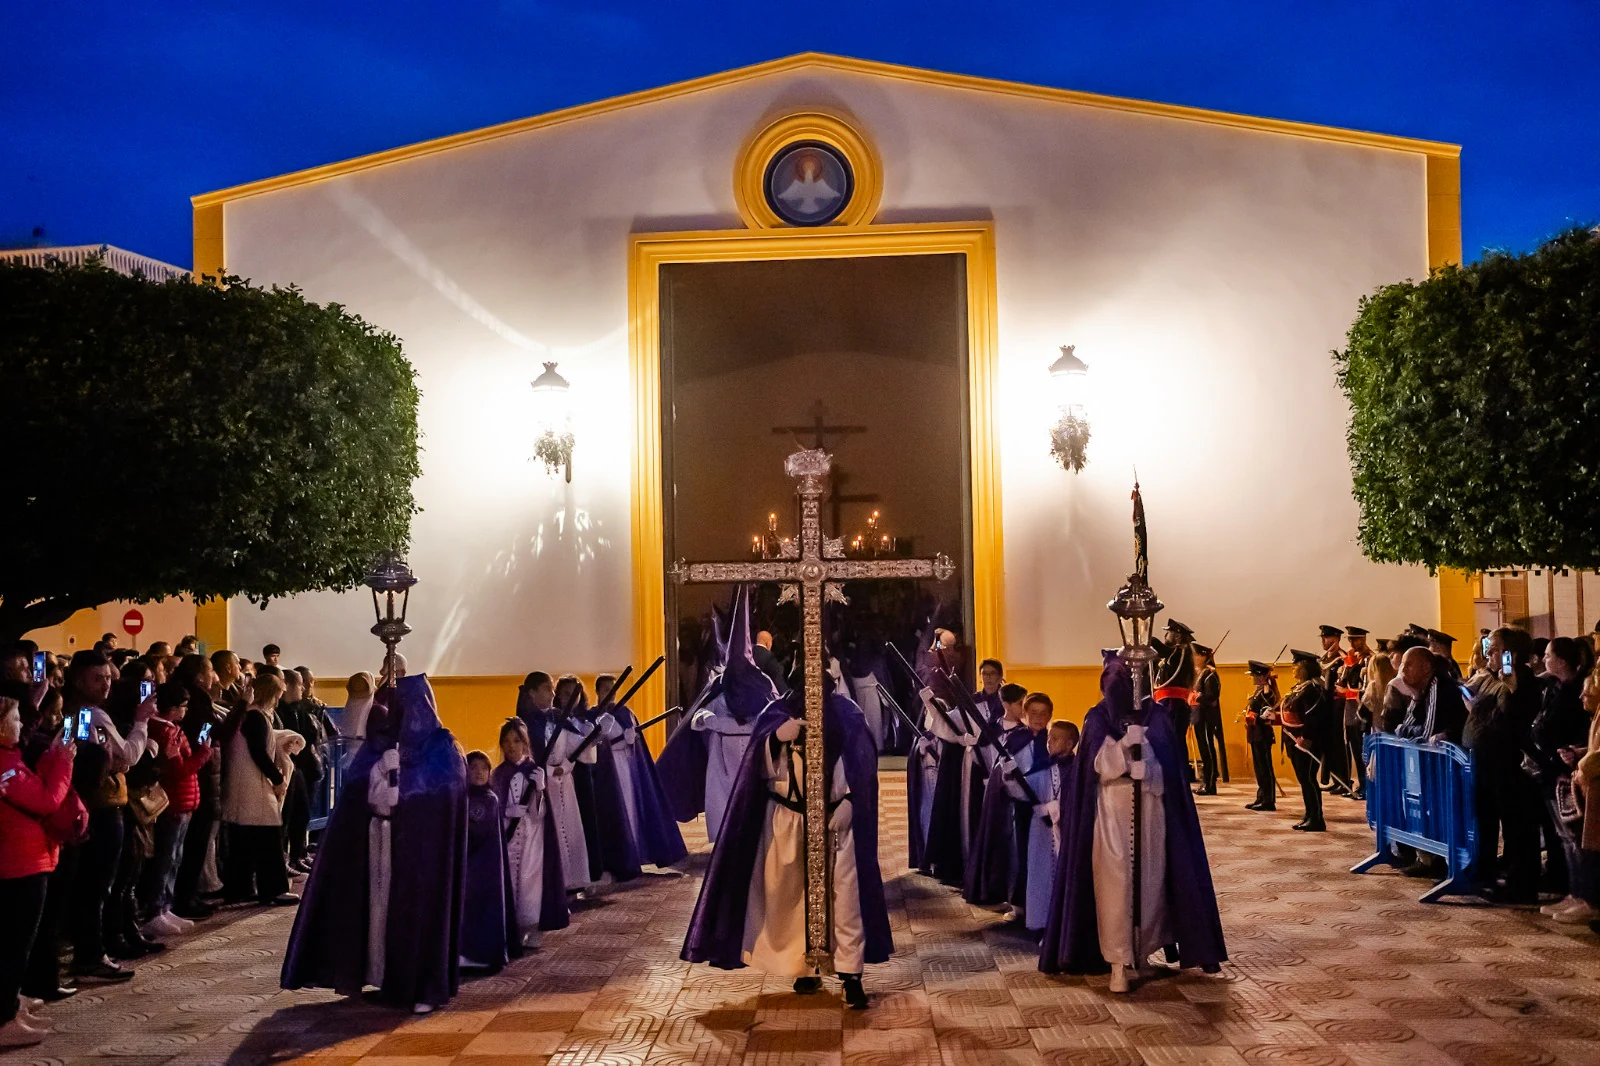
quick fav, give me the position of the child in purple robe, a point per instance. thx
(489, 937)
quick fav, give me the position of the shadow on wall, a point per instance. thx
(543, 569)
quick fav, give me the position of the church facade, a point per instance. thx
(1203, 266)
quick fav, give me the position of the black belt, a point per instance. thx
(798, 806)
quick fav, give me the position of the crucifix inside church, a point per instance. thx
(865, 358)
(820, 432)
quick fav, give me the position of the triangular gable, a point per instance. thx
(817, 61)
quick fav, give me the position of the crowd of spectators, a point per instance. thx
(139, 793)
(1526, 713)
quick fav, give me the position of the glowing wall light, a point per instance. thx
(552, 420)
(1069, 437)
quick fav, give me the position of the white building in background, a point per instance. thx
(119, 259)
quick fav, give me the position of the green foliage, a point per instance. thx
(1474, 436)
(216, 439)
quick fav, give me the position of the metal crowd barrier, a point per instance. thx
(335, 753)
(1421, 795)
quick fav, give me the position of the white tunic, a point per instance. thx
(383, 794)
(562, 795)
(622, 742)
(524, 816)
(775, 918)
(1112, 854)
(1044, 838)
(726, 740)
(865, 693)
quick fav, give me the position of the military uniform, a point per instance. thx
(1259, 734)
(1208, 725)
(1352, 682)
(1174, 682)
(1303, 713)
(1328, 743)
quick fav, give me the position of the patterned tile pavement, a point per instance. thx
(1328, 969)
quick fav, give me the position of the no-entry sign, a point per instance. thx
(132, 622)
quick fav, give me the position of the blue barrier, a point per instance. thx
(1421, 795)
(335, 754)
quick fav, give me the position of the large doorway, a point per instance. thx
(867, 356)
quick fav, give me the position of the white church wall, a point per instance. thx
(1204, 273)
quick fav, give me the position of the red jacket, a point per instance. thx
(180, 765)
(25, 848)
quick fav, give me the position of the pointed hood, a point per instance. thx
(418, 711)
(745, 688)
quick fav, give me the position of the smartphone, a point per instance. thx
(205, 734)
(38, 667)
(146, 690)
(1505, 664)
(1486, 647)
(85, 724)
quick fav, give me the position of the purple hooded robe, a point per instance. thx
(997, 858)
(328, 945)
(553, 910)
(1071, 941)
(659, 843)
(716, 929)
(489, 934)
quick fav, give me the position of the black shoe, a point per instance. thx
(51, 995)
(1510, 897)
(101, 973)
(1252, 806)
(194, 912)
(127, 951)
(1301, 824)
(805, 986)
(282, 899)
(1359, 794)
(1269, 808)
(855, 997)
(1312, 827)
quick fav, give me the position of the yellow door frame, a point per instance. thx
(649, 252)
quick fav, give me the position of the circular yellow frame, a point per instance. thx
(749, 173)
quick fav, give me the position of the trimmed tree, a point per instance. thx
(1474, 434)
(211, 439)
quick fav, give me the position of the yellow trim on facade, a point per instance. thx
(822, 61)
(1457, 615)
(208, 250)
(750, 172)
(211, 625)
(650, 251)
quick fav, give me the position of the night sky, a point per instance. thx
(114, 114)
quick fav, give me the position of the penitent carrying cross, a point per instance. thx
(812, 571)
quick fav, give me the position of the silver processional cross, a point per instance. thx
(811, 572)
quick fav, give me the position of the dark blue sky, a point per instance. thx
(114, 114)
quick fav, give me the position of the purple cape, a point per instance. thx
(716, 929)
(998, 853)
(610, 843)
(489, 932)
(916, 846)
(660, 843)
(682, 766)
(422, 947)
(1071, 940)
(553, 910)
(942, 850)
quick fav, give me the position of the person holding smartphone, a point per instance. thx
(28, 855)
(180, 779)
(1507, 800)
